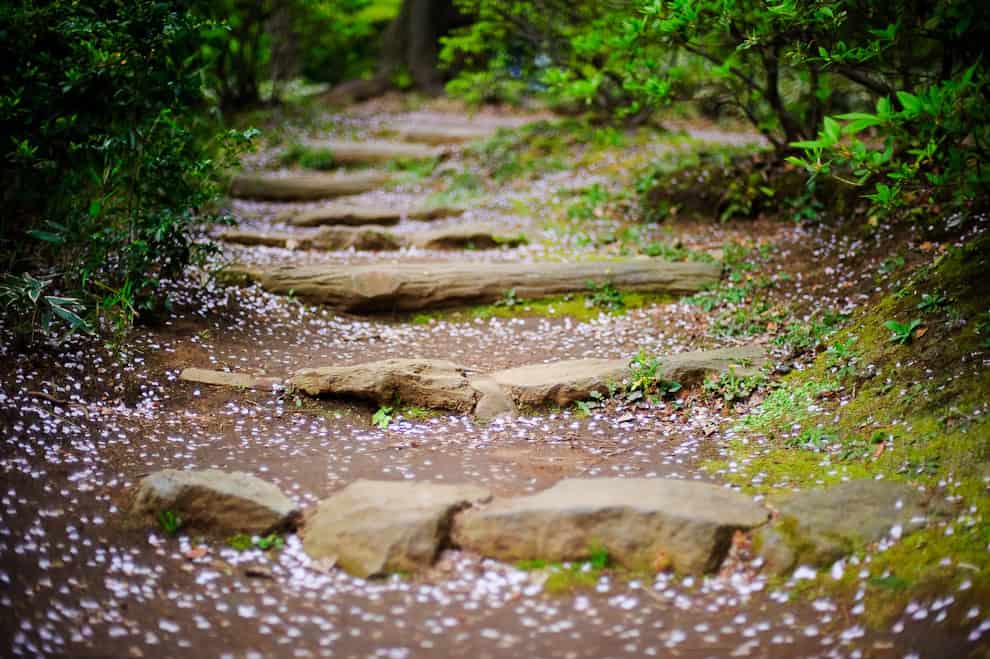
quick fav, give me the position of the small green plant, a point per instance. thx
(509, 300)
(169, 522)
(647, 376)
(240, 542)
(606, 296)
(270, 541)
(383, 417)
(732, 388)
(983, 329)
(21, 296)
(931, 303)
(902, 333)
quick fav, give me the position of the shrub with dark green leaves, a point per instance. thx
(104, 163)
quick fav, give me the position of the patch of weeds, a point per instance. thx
(732, 388)
(509, 300)
(244, 542)
(891, 264)
(563, 578)
(801, 337)
(646, 375)
(902, 333)
(318, 158)
(606, 296)
(383, 417)
(590, 203)
(784, 406)
(932, 302)
(169, 522)
(841, 358)
(414, 412)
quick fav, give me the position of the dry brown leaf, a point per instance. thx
(662, 562)
(197, 552)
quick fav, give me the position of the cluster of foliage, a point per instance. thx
(252, 43)
(105, 161)
(827, 79)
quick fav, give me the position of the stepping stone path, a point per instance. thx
(370, 528)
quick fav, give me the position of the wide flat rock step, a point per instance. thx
(370, 528)
(411, 287)
(304, 186)
(444, 385)
(378, 238)
(352, 213)
(375, 151)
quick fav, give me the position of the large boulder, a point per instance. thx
(820, 526)
(429, 383)
(374, 527)
(215, 502)
(414, 286)
(563, 382)
(640, 522)
(304, 187)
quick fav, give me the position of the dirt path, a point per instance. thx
(81, 426)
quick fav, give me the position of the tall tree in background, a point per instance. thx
(409, 45)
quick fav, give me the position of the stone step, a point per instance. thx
(411, 287)
(375, 151)
(438, 134)
(442, 385)
(304, 186)
(377, 238)
(353, 214)
(564, 382)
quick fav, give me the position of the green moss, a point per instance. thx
(578, 307)
(919, 413)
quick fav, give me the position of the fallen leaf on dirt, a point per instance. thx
(879, 450)
(662, 562)
(926, 246)
(920, 332)
(197, 552)
(258, 573)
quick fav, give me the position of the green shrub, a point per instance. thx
(105, 165)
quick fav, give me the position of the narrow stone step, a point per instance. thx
(377, 238)
(375, 151)
(410, 287)
(350, 213)
(564, 382)
(441, 134)
(304, 186)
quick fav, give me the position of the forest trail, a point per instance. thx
(380, 260)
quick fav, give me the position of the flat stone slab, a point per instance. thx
(411, 287)
(444, 134)
(375, 151)
(372, 237)
(215, 501)
(304, 186)
(351, 213)
(228, 379)
(564, 382)
(374, 527)
(431, 383)
(821, 526)
(640, 522)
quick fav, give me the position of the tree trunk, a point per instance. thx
(409, 44)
